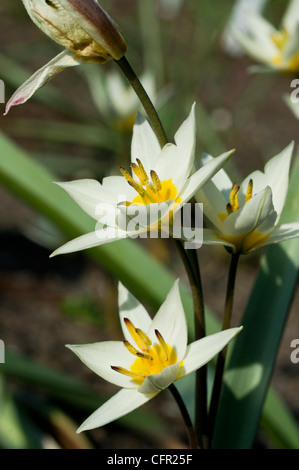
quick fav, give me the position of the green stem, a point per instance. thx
(185, 415)
(190, 262)
(222, 355)
(144, 99)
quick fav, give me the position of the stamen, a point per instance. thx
(134, 351)
(140, 338)
(249, 191)
(138, 173)
(229, 209)
(144, 337)
(163, 344)
(126, 174)
(233, 197)
(143, 175)
(156, 181)
(140, 190)
(134, 375)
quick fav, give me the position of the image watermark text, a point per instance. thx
(2, 352)
(295, 353)
(2, 91)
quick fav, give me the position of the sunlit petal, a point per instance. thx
(125, 401)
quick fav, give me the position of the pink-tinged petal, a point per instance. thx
(41, 77)
(125, 401)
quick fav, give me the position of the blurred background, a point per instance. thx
(79, 125)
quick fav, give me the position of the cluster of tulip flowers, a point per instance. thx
(241, 217)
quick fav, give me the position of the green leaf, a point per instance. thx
(71, 392)
(253, 357)
(16, 432)
(92, 135)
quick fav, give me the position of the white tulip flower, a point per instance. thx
(276, 49)
(162, 181)
(153, 356)
(246, 217)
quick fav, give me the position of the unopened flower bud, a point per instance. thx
(81, 26)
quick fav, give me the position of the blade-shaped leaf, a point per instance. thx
(253, 357)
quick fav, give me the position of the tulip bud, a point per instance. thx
(81, 26)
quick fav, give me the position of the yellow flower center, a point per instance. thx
(150, 359)
(280, 39)
(150, 189)
(233, 204)
(247, 241)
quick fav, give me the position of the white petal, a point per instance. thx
(252, 215)
(221, 179)
(138, 217)
(185, 140)
(116, 189)
(170, 321)
(92, 239)
(131, 308)
(125, 401)
(261, 30)
(145, 145)
(261, 49)
(291, 48)
(86, 192)
(157, 382)
(210, 238)
(42, 76)
(291, 17)
(213, 201)
(176, 160)
(99, 357)
(202, 351)
(198, 179)
(282, 233)
(276, 175)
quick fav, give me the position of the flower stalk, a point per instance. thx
(151, 112)
(222, 355)
(186, 417)
(190, 262)
(191, 265)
